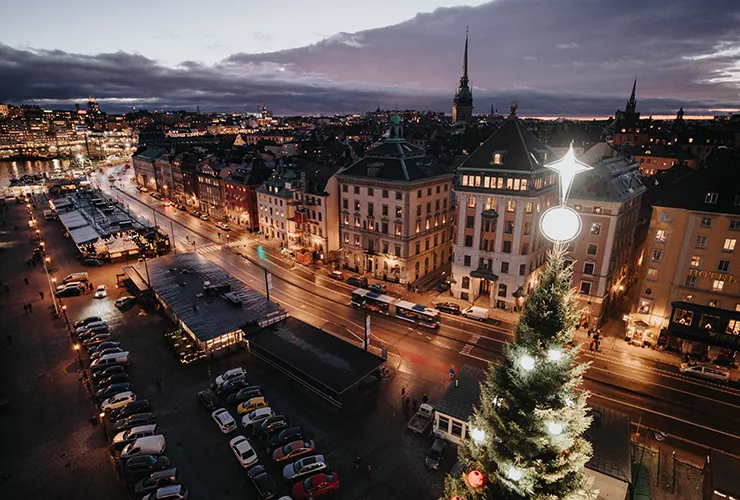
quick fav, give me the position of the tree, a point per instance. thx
(527, 428)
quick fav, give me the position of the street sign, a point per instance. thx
(269, 281)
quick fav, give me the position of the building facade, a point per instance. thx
(689, 287)
(211, 175)
(144, 167)
(608, 199)
(276, 203)
(240, 195)
(502, 189)
(396, 214)
(627, 126)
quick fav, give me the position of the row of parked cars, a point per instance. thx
(134, 433)
(286, 445)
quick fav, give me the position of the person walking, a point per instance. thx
(424, 399)
(41, 294)
(25, 280)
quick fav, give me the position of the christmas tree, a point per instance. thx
(527, 429)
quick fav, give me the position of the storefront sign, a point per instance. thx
(730, 278)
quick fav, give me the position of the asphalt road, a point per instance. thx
(655, 395)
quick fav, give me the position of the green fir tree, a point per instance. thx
(528, 426)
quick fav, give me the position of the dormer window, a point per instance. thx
(497, 158)
(711, 198)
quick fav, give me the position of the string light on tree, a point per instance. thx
(554, 428)
(514, 473)
(554, 354)
(478, 435)
(527, 362)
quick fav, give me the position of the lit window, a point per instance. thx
(695, 261)
(510, 206)
(471, 201)
(733, 327)
(529, 207)
(652, 275)
(497, 158)
(656, 255)
(729, 245)
(645, 306)
(661, 235)
(596, 228)
(718, 286)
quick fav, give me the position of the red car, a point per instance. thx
(316, 486)
(336, 275)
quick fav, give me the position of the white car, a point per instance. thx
(224, 420)
(256, 416)
(229, 374)
(135, 433)
(103, 352)
(117, 401)
(101, 292)
(95, 324)
(124, 302)
(149, 445)
(70, 284)
(173, 492)
(243, 451)
(222, 225)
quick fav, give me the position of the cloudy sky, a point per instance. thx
(555, 57)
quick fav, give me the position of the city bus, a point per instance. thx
(401, 309)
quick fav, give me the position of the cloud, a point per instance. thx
(417, 64)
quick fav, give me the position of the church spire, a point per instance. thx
(465, 59)
(632, 103)
(462, 108)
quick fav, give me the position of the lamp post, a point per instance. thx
(52, 282)
(561, 224)
(76, 347)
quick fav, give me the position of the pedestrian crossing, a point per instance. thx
(212, 247)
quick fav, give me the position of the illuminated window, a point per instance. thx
(729, 245)
(595, 228)
(733, 327)
(529, 207)
(652, 275)
(645, 306)
(718, 286)
(510, 205)
(695, 261)
(471, 201)
(497, 158)
(656, 255)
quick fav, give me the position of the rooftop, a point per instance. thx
(725, 473)
(178, 280)
(458, 400)
(325, 359)
(609, 435)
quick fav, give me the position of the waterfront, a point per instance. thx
(10, 170)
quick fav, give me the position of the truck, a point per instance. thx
(422, 418)
(474, 312)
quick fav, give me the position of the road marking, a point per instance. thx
(665, 415)
(471, 343)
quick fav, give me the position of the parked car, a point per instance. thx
(204, 217)
(244, 394)
(222, 225)
(86, 321)
(243, 451)
(115, 358)
(110, 371)
(224, 420)
(156, 480)
(448, 307)
(91, 332)
(285, 436)
(443, 286)
(475, 312)
(293, 450)
(252, 404)
(103, 345)
(705, 371)
(263, 483)
(316, 486)
(94, 324)
(256, 417)
(125, 302)
(377, 288)
(97, 339)
(194, 213)
(145, 465)
(233, 384)
(132, 421)
(71, 291)
(123, 438)
(435, 454)
(132, 408)
(103, 352)
(208, 399)
(229, 374)
(336, 275)
(175, 492)
(101, 292)
(93, 262)
(270, 426)
(304, 467)
(117, 401)
(357, 281)
(117, 378)
(149, 445)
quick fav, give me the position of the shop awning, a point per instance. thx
(73, 220)
(83, 235)
(490, 214)
(484, 273)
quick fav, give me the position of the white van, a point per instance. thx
(115, 358)
(76, 277)
(48, 214)
(705, 371)
(474, 312)
(149, 445)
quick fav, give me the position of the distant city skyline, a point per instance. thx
(557, 58)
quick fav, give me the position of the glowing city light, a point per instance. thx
(554, 354)
(554, 428)
(560, 224)
(514, 473)
(527, 362)
(478, 435)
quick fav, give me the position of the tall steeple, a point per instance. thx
(462, 104)
(632, 103)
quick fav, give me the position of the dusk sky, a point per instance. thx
(556, 57)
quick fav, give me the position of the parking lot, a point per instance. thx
(201, 452)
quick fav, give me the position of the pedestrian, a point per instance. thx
(25, 308)
(25, 280)
(596, 346)
(424, 399)
(414, 407)
(41, 294)
(30, 307)
(591, 345)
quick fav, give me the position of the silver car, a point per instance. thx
(304, 467)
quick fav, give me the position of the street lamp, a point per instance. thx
(77, 351)
(561, 224)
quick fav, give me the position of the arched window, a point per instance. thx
(502, 290)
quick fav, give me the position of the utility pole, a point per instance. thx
(174, 242)
(268, 284)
